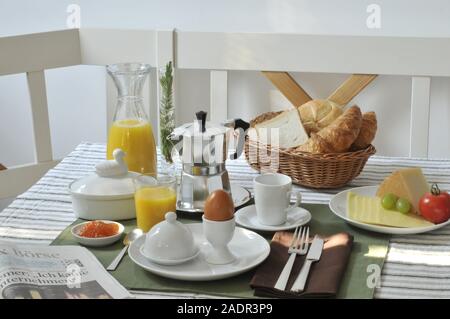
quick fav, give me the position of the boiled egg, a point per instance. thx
(219, 206)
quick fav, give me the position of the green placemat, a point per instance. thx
(368, 248)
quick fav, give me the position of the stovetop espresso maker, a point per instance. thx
(203, 147)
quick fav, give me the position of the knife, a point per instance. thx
(315, 251)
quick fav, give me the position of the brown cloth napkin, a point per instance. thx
(324, 277)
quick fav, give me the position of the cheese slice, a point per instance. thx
(407, 183)
(368, 210)
(285, 130)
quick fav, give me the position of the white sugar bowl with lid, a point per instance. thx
(170, 242)
(107, 194)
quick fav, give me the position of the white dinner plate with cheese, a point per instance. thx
(338, 205)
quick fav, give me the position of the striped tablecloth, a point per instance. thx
(416, 266)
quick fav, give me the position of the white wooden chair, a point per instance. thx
(421, 58)
(34, 53)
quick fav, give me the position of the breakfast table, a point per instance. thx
(415, 266)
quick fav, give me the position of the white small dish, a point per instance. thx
(100, 241)
(249, 248)
(246, 217)
(338, 205)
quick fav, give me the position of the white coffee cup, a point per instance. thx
(272, 198)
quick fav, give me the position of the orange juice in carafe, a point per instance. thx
(131, 130)
(135, 138)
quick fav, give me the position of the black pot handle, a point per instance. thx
(240, 123)
(242, 126)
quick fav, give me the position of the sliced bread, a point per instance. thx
(284, 130)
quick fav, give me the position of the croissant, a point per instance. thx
(316, 145)
(338, 136)
(367, 132)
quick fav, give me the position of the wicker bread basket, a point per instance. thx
(331, 170)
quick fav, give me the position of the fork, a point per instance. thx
(299, 246)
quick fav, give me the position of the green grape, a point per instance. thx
(403, 205)
(388, 201)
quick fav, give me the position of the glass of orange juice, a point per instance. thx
(152, 200)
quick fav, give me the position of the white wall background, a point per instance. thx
(77, 95)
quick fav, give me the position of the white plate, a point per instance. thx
(96, 242)
(246, 217)
(338, 205)
(249, 248)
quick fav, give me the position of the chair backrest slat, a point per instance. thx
(39, 51)
(218, 96)
(313, 53)
(107, 46)
(420, 116)
(39, 112)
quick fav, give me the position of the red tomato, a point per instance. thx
(435, 206)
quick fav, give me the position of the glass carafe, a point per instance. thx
(131, 130)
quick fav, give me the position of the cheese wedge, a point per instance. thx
(285, 130)
(368, 210)
(408, 183)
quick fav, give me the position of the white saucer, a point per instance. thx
(246, 217)
(249, 248)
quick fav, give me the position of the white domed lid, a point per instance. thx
(111, 178)
(105, 186)
(169, 240)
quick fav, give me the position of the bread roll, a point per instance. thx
(317, 114)
(367, 132)
(338, 136)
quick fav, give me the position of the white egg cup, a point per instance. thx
(219, 234)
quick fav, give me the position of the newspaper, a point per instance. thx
(55, 272)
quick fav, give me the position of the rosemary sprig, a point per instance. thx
(167, 112)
